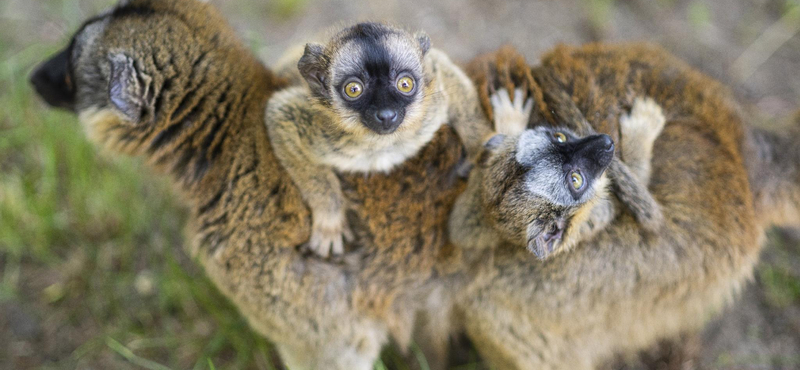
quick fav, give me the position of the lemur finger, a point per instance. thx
(519, 99)
(347, 234)
(528, 108)
(319, 245)
(495, 100)
(337, 245)
(505, 99)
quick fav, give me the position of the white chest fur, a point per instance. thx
(382, 153)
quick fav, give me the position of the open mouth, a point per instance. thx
(544, 243)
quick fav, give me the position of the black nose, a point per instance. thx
(52, 81)
(597, 149)
(383, 121)
(386, 116)
(605, 143)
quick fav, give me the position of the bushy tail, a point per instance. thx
(773, 164)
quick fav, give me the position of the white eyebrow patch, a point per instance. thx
(404, 52)
(530, 146)
(347, 60)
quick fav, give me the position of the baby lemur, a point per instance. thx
(375, 96)
(546, 188)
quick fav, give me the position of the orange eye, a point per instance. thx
(560, 137)
(405, 84)
(353, 89)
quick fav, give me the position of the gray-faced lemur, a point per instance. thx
(546, 188)
(373, 96)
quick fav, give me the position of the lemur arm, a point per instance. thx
(318, 184)
(631, 174)
(464, 112)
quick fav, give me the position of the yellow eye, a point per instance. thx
(560, 137)
(405, 84)
(577, 180)
(353, 89)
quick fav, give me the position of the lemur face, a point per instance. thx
(105, 69)
(553, 175)
(373, 77)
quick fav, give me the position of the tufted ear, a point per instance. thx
(128, 88)
(313, 66)
(424, 41)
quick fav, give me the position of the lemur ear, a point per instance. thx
(128, 88)
(489, 148)
(313, 67)
(424, 42)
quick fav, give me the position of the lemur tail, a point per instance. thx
(773, 164)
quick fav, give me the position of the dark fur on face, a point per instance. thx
(538, 183)
(371, 60)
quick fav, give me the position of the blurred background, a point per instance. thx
(92, 269)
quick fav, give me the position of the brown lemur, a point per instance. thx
(546, 188)
(169, 81)
(718, 182)
(373, 96)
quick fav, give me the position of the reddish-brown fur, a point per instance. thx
(623, 290)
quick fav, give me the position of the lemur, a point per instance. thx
(546, 188)
(375, 95)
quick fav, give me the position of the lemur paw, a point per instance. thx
(510, 118)
(328, 235)
(645, 121)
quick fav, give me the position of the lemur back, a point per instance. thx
(373, 96)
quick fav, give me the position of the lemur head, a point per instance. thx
(540, 184)
(371, 76)
(145, 65)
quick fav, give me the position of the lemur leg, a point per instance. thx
(640, 129)
(510, 118)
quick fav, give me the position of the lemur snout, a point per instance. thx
(598, 148)
(386, 116)
(384, 121)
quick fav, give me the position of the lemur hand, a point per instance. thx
(510, 118)
(506, 69)
(328, 233)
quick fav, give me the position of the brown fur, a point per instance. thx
(507, 69)
(622, 291)
(625, 289)
(204, 126)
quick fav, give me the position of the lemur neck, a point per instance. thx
(207, 128)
